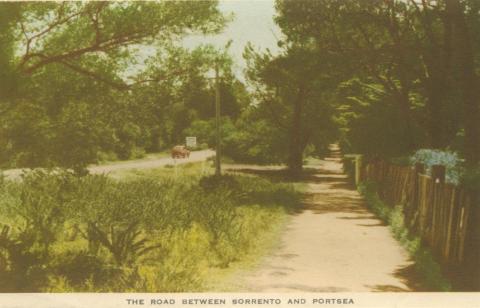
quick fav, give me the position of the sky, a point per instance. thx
(253, 22)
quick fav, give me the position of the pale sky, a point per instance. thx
(253, 22)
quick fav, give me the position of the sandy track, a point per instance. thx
(334, 244)
(195, 156)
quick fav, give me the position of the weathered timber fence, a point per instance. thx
(444, 216)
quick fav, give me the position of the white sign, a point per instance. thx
(191, 142)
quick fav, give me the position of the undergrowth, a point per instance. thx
(152, 232)
(425, 264)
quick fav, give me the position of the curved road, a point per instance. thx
(195, 156)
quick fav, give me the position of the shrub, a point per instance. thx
(152, 232)
(210, 183)
(79, 268)
(450, 160)
(23, 264)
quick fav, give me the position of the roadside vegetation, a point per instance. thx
(149, 232)
(429, 270)
(393, 80)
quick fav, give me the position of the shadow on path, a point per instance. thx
(334, 243)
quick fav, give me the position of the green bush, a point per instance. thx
(451, 160)
(151, 232)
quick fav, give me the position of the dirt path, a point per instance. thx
(333, 245)
(195, 156)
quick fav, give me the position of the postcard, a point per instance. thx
(284, 153)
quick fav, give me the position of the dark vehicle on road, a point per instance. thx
(180, 151)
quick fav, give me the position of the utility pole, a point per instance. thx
(218, 170)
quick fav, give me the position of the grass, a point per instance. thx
(162, 230)
(146, 157)
(425, 264)
(231, 279)
(179, 171)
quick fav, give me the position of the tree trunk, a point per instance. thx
(436, 60)
(402, 68)
(435, 108)
(468, 80)
(295, 160)
(406, 116)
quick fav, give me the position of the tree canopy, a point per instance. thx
(78, 86)
(89, 81)
(417, 59)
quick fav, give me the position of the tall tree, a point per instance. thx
(70, 33)
(293, 89)
(367, 39)
(68, 59)
(423, 53)
(463, 48)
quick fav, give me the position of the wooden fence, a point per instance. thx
(443, 215)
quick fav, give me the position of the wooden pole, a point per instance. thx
(438, 173)
(358, 168)
(218, 170)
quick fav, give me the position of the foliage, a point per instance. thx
(255, 140)
(371, 121)
(408, 70)
(456, 172)
(153, 232)
(292, 94)
(73, 33)
(75, 84)
(451, 161)
(241, 140)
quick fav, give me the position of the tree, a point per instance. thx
(71, 32)
(465, 49)
(65, 64)
(292, 90)
(8, 77)
(414, 49)
(175, 90)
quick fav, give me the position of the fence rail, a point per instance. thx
(441, 214)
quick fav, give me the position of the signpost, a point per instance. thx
(191, 142)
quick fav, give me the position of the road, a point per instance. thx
(334, 244)
(195, 156)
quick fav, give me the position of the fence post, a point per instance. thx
(419, 168)
(438, 173)
(471, 267)
(413, 215)
(358, 168)
(438, 177)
